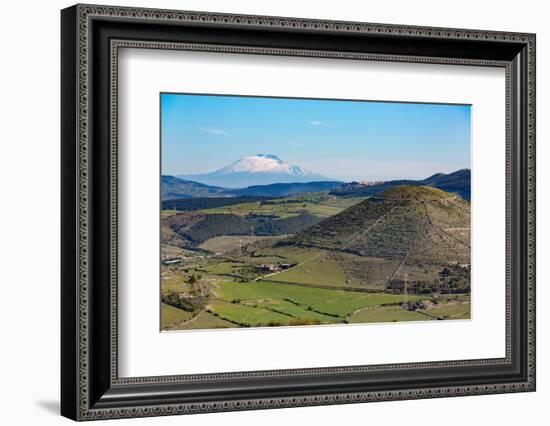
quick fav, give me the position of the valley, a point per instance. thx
(318, 257)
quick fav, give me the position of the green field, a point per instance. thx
(170, 316)
(205, 320)
(450, 311)
(336, 304)
(229, 243)
(318, 204)
(290, 254)
(221, 268)
(327, 268)
(386, 314)
(318, 270)
(349, 302)
(295, 311)
(247, 316)
(173, 279)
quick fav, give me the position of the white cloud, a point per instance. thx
(213, 131)
(315, 123)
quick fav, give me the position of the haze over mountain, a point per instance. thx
(260, 169)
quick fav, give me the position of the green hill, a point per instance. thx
(400, 219)
(404, 235)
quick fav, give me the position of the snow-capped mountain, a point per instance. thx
(264, 163)
(260, 169)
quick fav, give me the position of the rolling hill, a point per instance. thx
(174, 188)
(405, 219)
(194, 228)
(406, 234)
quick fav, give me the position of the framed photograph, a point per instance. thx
(263, 212)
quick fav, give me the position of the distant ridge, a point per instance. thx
(287, 189)
(177, 188)
(174, 188)
(457, 183)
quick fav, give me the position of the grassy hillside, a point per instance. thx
(423, 220)
(412, 237)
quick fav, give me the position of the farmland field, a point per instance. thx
(318, 270)
(450, 311)
(172, 316)
(386, 314)
(205, 320)
(226, 243)
(318, 204)
(329, 305)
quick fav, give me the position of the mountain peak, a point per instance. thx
(259, 169)
(260, 163)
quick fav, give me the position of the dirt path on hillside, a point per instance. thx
(440, 230)
(398, 268)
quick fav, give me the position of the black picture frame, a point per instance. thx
(90, 386)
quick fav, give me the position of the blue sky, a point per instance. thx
(346, 140)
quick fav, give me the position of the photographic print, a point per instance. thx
(305, 212)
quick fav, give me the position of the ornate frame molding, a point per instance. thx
(89, 407)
